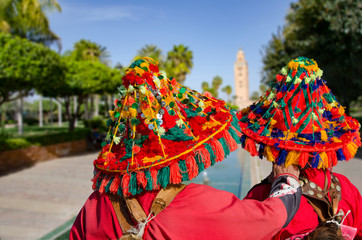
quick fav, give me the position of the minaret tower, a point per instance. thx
(241, 76)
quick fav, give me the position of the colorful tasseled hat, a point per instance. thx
(161, 133)
(299, 121)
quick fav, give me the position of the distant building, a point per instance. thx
(241, 76)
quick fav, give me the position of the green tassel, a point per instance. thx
(183, 169)
(199, 163)
(265, 132)
(234, 135)
(133, 184)
(163, 177)
(149, 181)
(106, 189)
(224, 146)
(211, 152)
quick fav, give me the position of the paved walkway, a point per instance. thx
(39, 199)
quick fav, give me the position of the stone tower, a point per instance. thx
(241, 76)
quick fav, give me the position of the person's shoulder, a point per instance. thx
(201, 191)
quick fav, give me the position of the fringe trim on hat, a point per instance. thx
(128, 184)
(320, 160)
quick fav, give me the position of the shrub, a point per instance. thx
(96, 122)
(42, 140)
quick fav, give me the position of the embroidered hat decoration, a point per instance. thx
(161, 133)
(299, 121)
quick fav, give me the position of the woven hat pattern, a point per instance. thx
(161, 132)
(299, 121)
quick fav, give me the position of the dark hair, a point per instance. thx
(326, 231)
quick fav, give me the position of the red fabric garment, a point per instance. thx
(306, 220)
(197, 212)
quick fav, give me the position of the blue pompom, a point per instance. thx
(281, 157)
(242, 140)
(340, 155)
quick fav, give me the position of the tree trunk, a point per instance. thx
(75, 111)
(91, 105)
(109, 104)
(19, 113)
(3, 118)
(51, 110)
(40, 111)
(86, 112)
(59, 103)
(96, 106)
(68, 111)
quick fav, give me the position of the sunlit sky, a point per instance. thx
(213, 30)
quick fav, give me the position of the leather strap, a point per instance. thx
(135, 210)
(165, 197)
(119, 206)
(318, 197)
(125, 208)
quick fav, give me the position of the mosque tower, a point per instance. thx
(241, 77)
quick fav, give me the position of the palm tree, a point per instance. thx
(151, 51)
(85, 50)
(27, 19)
(179, 62)
(227, 89)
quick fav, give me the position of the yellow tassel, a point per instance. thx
(324, 163)
(292, 158)
(324, 136)
(268, 153)
(272, 122)
(352, 148)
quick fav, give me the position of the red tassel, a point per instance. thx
(237, 132)
(303, 159)
(94, 180)
(115, 184)
(332, 156)
(218, 150)
(346, 152)
(204, 156)
(141, 179)
(125, 184)
(175, 175)
(230, 141)
(250, 147)
(154, 178)
(104, 184)
(193, 169)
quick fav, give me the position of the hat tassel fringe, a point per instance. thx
(293, 157)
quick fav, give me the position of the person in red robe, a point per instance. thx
(162, 134)
(298, 121)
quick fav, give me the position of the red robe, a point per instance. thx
(306, 220)
(197, 212)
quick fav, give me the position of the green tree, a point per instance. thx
(151, 51)
(205, 86)
(330, 32)
(85, 50)
(82, 78)
(26, 66)
(179, 62)
(228, 90)
(27, 19)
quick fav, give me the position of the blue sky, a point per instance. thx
(213, 30)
